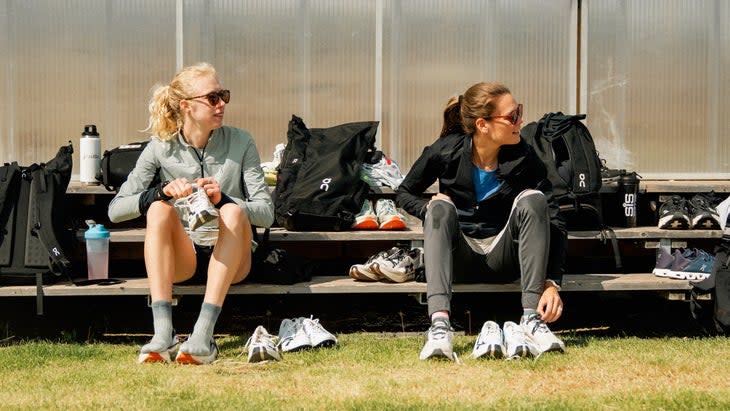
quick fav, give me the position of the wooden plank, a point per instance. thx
(685, 186)
(346, 285)
(136, 235)
(646, 185)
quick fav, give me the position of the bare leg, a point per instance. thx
(230, 262)
(169, 257)
(231, 259)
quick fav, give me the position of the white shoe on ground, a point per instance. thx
(261, 346)
(540, 336)
(489, 341)
(439, 341)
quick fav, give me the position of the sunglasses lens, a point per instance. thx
(517, 114)
(213, 98)
(225, 95)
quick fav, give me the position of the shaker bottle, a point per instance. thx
(629, 190)
(97, 251)
(90, 154)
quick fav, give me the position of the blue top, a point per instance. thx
(485, 182)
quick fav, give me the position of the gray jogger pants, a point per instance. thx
(520, 250)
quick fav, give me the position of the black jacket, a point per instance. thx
(448, 161)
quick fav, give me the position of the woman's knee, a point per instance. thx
(161, 214)
(439, 211)
(533, 202)
(233, 216)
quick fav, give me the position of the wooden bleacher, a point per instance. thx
(646, 237)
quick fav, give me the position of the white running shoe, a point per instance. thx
(198, 207)
(388, 216)
(194, 359)
(516, 342)
(292, 336)
(489, 341)
(365, 272)
(439, 341)
(318, 336)
(261, 346)
(402, 267)
(366, 218)
(163, 356)
(540, 336)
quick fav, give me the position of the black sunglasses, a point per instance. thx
(214, 97)
(513, 117)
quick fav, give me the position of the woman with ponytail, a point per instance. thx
(212, 170)
(491, 221)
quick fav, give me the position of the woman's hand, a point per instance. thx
(550, 306)
(211, 187)
(439, 196)
(178, 188)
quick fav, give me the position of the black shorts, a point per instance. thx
(202, 257)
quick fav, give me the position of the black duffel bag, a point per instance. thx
(117, 163)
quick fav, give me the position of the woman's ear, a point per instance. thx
(482, 125)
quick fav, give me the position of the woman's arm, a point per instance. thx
(423, 173)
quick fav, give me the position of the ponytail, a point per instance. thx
(452, 117)
(164, 110)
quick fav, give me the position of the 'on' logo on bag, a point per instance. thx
(325, 184)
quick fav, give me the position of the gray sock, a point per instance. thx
(162, 323)
(199, 341)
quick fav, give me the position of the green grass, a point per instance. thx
(372, 372)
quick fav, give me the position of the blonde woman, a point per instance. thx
(191, 149)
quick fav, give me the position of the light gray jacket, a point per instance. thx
(230, 156)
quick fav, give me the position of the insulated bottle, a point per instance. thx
(90, 154)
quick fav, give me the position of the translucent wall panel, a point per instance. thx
(309, 58)
(71, 63)
(659, 86)
(435, 49)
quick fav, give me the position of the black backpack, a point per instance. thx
(573, 166)
(714, 314)
(318, 184)
(34, 238)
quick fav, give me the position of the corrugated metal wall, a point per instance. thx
(654, 88)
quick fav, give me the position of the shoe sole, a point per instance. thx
(521, 351)
(674, 223)
(190, 359)
(706, 223)
(492, 351)
(366, 223)
(396, 277)
(324, 344)
(154, 357)
(393, 223)
(262, 354)
(437, 354)
(661, 272)
(361, 273)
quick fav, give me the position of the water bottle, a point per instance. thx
(629, 190)
(97, 250)
(90, 153)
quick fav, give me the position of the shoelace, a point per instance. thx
(537, 325)
(387, 208)
(315, 326)
(261, 338)
(198, 201)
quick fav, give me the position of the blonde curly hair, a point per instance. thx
(165, 114)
